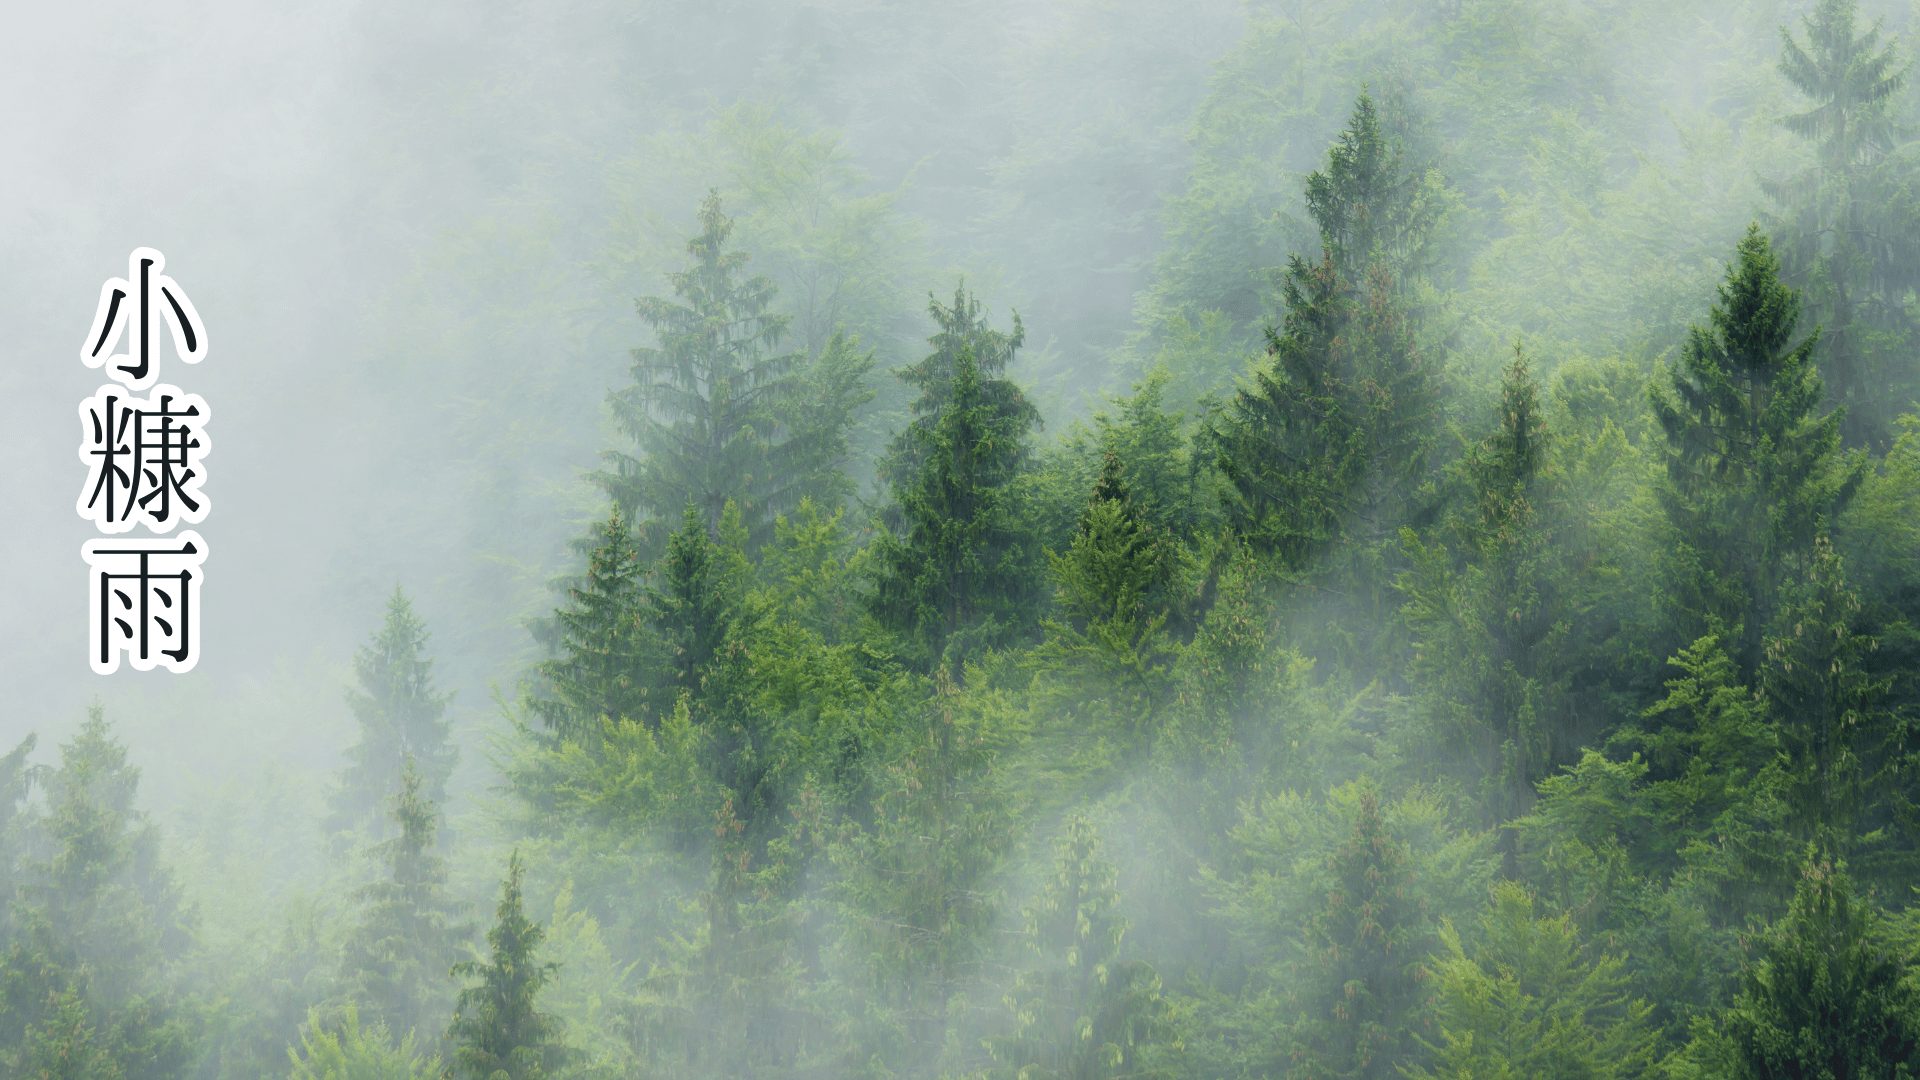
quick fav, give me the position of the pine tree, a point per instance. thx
(1845, 236)
(1526, 1000)
(498, 1030)
(703, 409)
(1329, 433)
(604, 652)
(1834, 729)
(1754, 468)
(397, 958)
(100, 928)
(1484, 626)
(963, 331)
(695, 602)
(957, 575)
(400, 715)
(1366, 947)
(1083, 1013)
(1825, 998)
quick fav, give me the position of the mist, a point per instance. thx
(1085, 539)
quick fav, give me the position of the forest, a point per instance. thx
(1364, 539)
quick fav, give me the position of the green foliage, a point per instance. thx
(1844, 237)
(1754, 468)
(1083, 1012)
(400, 715)
(957, 574)
(407, 938)
(1327, 438)
(603, 652)
(347, 1051)
(497, 1026)
(1824, 998)
(703, 404)
(1527, 1000)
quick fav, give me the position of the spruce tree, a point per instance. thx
(1846, 237)
(1365, 949)
(400, 716)
(1834, 728)
(1329, 433)
(1826, 998)
(603, 651)
(1527, 1000)
(498, 1030)
(1753, 462)
(1082, 1012)
(704, 406)
(1485, 624)
(100, 930)
(397, 958)
(962, 330)
(958, 573)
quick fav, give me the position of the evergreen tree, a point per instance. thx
(348, 1051)
(1824, 999)
(695, 602)
(88, 980)
(962, 331)
(603, 649)
(1486, 628)
(916, 882)
(1846, 235)
(1526, 1001)
(400, 715)
(1368, 943)
(703, 409)
(397, 958)
(498, 1030)
(958, 573)
(1083, 1013)
(1329, 432)
(1754, 467)
(1834, 730)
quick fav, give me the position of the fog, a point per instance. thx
(416, 234)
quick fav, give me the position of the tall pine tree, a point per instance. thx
(1328, 436)
(603, 653)
(498, 1030)
(1753, 461)
(1846, 236)
(703, 408)
(959, 572)
(397, 959)
(400, 716)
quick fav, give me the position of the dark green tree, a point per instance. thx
(397, 958)
(400, 716)
(959, 572)
(1835, 732)
(703, 408)
(603, 652)
(695, 601)
(1825, 999)
(1753, 463)
(1485, 625)
(962, 330)
(498, 1030)
(1329, 433)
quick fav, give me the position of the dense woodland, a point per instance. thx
(1474, 631)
